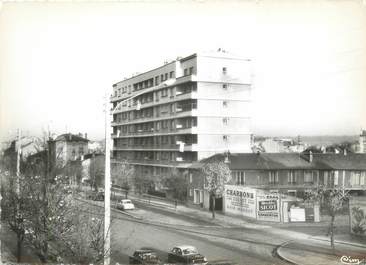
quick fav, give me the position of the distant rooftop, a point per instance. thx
(68, 137)
(283, 161)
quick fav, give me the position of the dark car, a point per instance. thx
(186, 255)
(144, 256)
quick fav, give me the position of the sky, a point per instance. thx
(58, 59)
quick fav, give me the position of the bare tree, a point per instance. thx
(332, 202)
(216, 175)
(96, 171)
(84, 244)
(177, 184)
(122, 174)
(12, 211)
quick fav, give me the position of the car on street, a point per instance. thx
(125, 204)
(144, 256)
(186, 255)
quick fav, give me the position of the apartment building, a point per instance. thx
(182, 112)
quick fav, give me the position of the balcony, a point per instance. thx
(155, 147)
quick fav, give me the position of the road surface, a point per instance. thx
(242, 246)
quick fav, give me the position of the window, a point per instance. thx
(224, 70)
(355, 178)
(325, 178)
(225, 138)
(156, 80)
(363, 178)
(161, 78)
(190, 70)
(308, 177)
(224, 104)
(273, 177)
(171, 74)
(336, 173)
(225, 121)
(191, 192)
(291, 177)
(81, 150)
(224, 86)
(165, 124)
(190, 177)
(239, 177)
(291, 193)
(166, 76)
(185, 71)
(164, 92)
(171, 90)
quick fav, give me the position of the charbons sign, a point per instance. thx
(240, 200)
(240, 193)
(251, 203)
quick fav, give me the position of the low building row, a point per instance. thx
(292, 174)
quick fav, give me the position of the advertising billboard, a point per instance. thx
(268, 207)
(240, 201)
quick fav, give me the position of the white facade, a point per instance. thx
(182, 112)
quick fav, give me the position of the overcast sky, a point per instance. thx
(57, 59)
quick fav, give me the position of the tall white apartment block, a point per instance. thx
(181, 112)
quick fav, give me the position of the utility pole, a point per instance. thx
(107, 169)
(107, 185)
(18, 161)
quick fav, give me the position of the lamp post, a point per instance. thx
(107, 172)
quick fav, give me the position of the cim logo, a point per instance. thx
(348, 260)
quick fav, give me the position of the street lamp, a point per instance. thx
(107, 172)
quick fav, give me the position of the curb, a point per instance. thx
(172, 210)
(277, 252)
(340, 242)
(112, 208)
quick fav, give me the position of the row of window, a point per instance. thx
(356, 178)
(148, 127)
(156, 111)
(188, 71)
(157, 80)
(144, 84)
(173, 156)
(156, 140)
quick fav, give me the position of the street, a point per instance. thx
(242, 246)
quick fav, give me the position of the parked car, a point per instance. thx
(125, 204)
(186, 255)
(144, 256)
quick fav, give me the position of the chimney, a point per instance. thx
(86, 136)
(310, 156)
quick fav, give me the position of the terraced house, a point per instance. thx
(293, 174)
(181, 112)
